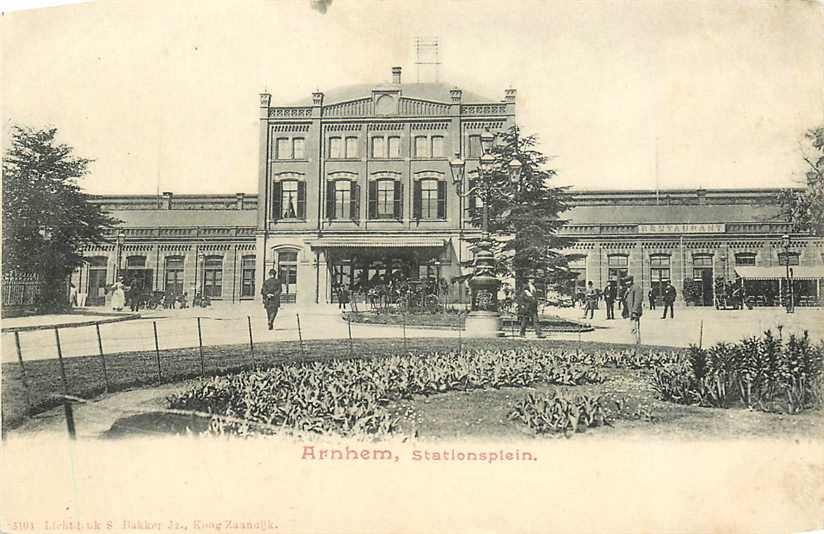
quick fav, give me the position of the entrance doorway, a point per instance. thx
(97, 281)
(702, 273)
(288, 273)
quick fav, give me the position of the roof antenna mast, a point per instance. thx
(427, 59)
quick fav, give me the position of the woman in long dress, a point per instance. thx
(118, 295)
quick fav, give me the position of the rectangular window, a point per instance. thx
(437, 147)
(213, 276)
(289, 199)
(335, 148)
(174, 275)
(421, 147)
(386, 199)
(378, 148)
(429, 199)
(343, 199)
(700, 265)
(351, 147)
(247, 276)
(394, 147)
(283, 148)
(618, 266)
(792, 257)
(298, 148)
(475, 150)
(745, 258)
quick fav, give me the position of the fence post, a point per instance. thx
(23, 369)
(102, 357)
(300, 338)
(157, 352)
(67, 407)
(200, 348)
(460, 338)
(251, 341)
(701, 334)
(349, 326)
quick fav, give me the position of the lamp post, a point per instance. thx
(785, 239)
(484, 284)
(121, 239)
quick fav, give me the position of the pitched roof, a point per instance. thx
(438, 92)
(670, 214)
(184, 218)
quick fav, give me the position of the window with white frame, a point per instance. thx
(394, 147)
(343, 199)
(378, 148)
(298, 148)
(283, 148)
(335, 148)
(745, 258)
(437, 146)
(386, 199)
(421, 146)
(351, 147)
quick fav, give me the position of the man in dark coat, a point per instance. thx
(651, 297)
(528, 308)
(610, 292)
(270, 291)
(669, 299)
(635, 306)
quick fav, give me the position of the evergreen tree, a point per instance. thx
(524, 216)
(805, 209)
(46, 217)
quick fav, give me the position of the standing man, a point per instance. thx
(635, 307)
(610, 292)
(651, 297)
(528, 309)
(669, 299)
(591, 301)
(271, 296)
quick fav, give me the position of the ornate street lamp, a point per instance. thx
(785, 239)
(121, 239)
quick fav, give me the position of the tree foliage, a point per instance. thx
(805, 209)
(524, 218)
(46, 216)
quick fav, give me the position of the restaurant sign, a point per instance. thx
(708, 228)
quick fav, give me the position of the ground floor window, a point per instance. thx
(174, 275)
(618, 265)
(659, 274)
(247, 276)
(213, 276)
(364, 276)
(288, 273)
(97, 280)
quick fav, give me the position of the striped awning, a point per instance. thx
(776, 272)
(377, 242)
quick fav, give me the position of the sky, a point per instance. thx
(623, 94)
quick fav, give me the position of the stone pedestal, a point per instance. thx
(481, 324)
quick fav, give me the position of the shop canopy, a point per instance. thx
(777, 272)
(373, 242)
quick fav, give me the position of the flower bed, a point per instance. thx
(352, 397)
(763, 373)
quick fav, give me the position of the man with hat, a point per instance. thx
(271, 296)
(634, 300)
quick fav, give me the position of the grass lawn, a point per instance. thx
(456, 320)
(484, 415)
(86, 378)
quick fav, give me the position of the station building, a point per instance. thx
(355, 182)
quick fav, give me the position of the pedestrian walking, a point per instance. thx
(528, 309)
(624, 284)
(270, 291)
(635, 306)
(118, 295)
(133, 296)
(669, 299)
(651, 297)
(610, 293)
(343, 297)
(72, 295)
(591, 301)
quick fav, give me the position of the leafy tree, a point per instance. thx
(524, 217)
(805, 209)
(46, 217)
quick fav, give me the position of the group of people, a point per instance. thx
(619, 291)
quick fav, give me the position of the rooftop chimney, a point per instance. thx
(317, 98)
(510, 95)
(167, 200)
(456, 95)
(396, 75)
